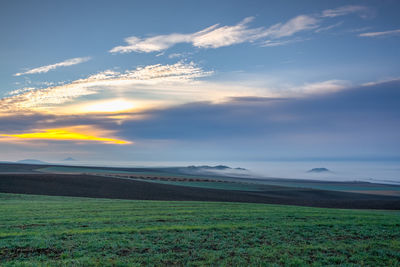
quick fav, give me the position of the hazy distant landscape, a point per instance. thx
(57, 215)
(62, 215)
(201, 183)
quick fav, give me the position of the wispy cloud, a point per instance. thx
(214, 36)
(363, 11)
(322, 29)
(295, 25)
(47, 68)
(179, 71)
(272, 43)
(218, 36)
(323, 87)
(380, 34)
(363, 29)
(30, 99)
(21, 90)
(175, 55)
(132, 92)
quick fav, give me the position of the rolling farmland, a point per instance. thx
(59, 231)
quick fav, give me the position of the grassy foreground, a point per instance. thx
(66, 231)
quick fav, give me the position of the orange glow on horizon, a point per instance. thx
(66, 135)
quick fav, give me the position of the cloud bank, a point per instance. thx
(360, 121)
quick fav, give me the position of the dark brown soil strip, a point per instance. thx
(104, 187)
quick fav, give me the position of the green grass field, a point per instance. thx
(63, 231)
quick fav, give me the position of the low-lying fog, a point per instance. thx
(369, 171)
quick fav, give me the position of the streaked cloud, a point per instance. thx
(272, 43)
(382, 81)
(151, 44)
(362, 29)
(158, 86)
(49, 98)
(295, 25)
(65, 134)
(211, 37)
(322, 29)
(363, 11)
(42, 99)
(175, 55)
(21, 90)
(380, 34)
(47, 68)
(323, 87)
(218, 36)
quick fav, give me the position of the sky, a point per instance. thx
(157, 81)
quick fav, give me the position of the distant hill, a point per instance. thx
(69, 159)
(319, 170)
(31, 161)
(218, 167)
(220, 170)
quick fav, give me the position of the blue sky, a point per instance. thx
(206, 80)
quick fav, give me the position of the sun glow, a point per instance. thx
(111, 106)
(65, 134)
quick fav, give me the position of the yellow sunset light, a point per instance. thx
(111, 106)
(65, 134)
